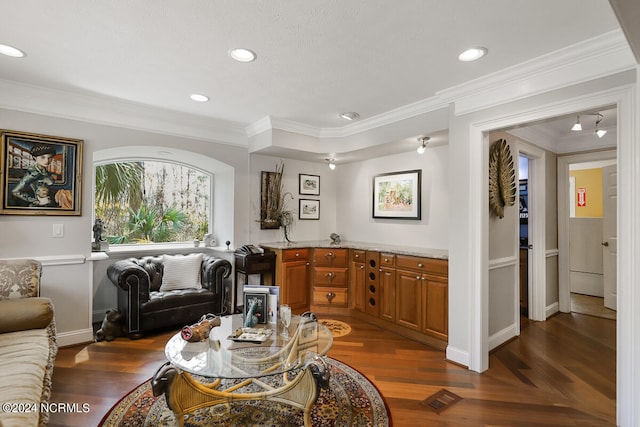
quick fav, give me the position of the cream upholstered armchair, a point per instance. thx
(27, 344)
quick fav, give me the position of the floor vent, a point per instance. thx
(441, 400)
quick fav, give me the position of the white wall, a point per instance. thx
(302, 229)
(72, 284)
(354, 200)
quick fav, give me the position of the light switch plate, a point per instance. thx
(58, 230)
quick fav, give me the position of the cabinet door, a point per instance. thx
(388, 294)
(409, 299)
(295, 278)
(357, 283)
(436, 313)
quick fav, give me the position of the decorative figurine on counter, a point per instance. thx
(335, 238)
(98, 229)
(227, 243)
(252, 317)
(200, 331)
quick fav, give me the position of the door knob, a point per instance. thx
(605, 244)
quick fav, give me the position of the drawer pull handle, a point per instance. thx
(330, 275)
(357, 255)
(330, 296)
(420, 265)
(418, 277)
(297, 254)
(308, 264)
(362, 267)
(386, 260)
(329, 255)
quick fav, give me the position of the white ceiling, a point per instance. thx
(315, 58)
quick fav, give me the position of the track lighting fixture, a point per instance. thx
(331, 163)
(598, 132)
(577, 126)
(423, 140)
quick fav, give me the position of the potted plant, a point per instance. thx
(275, 213)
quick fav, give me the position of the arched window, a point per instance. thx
(152, 201)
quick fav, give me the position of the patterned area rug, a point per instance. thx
(350, 401)
(337, 328)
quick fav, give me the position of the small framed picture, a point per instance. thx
(309, 209)
(309, 184)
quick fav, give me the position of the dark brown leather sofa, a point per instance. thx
(145, 307)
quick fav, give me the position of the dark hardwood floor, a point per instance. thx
(558, 373)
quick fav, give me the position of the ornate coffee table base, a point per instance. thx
(184, 394)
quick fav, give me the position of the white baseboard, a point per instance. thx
(458, 356)
(74, 337)
(502, 336)
(552, 309)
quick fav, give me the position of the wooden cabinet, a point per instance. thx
(330, 274)
(292, 275)
(409, 303)
(357, 276)
(422, 295)
(387, 285)
(372, 284)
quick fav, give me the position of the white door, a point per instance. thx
(610, 234)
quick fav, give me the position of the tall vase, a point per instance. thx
(285, 229)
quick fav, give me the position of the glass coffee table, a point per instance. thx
(251, 356)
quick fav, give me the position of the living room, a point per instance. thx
(453, 170)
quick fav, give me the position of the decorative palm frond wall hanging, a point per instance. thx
(502, 178)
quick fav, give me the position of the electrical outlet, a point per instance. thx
(58, 230)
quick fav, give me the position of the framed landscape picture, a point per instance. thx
(41, 174)
(397, 195)
(309, 184)
(309, 209)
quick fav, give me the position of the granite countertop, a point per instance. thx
(379, 247)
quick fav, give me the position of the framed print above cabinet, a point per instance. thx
(309, 184)
(309, 209)
(397, 195)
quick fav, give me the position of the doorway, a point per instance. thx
(591, 234)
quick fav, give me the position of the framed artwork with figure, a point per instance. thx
(40, 174)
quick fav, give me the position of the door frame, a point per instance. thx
(564, 162)
(624, 98)
(537, 286)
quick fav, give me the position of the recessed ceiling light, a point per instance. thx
(350, 115)
(11, 51)
(242, 55)
(199, 98)
(472, 54)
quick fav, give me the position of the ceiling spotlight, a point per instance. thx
(599, 132)
(423, 140)
(199, 98)
(577, 126)
(472, 54)
(331, 163)
(242, 55)
(350, 115)
(11, 51)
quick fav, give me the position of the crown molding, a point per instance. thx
(587, 60)
(115, 112)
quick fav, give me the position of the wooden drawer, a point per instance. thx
(426, 265)
(387, 260)
(295, 254)
(327, 257)
(327, 276)
(329, 296)
(358, 255)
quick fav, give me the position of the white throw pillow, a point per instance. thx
(181, 272)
